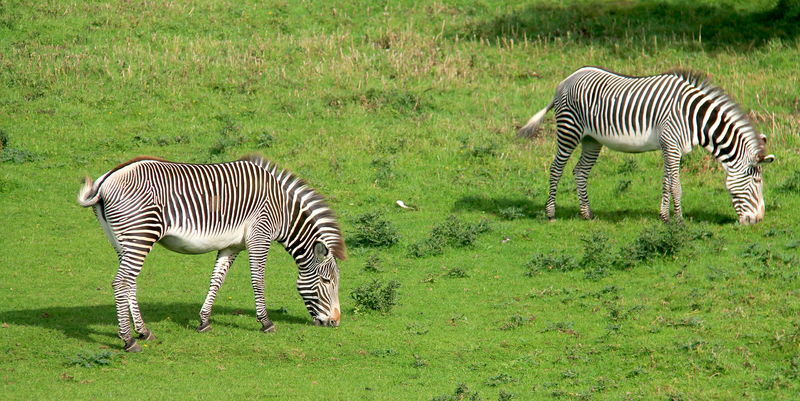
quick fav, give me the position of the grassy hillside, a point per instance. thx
(377, 101)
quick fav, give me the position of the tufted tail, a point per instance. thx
(89, 194)
(529, 130)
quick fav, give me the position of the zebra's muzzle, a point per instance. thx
(326, 323)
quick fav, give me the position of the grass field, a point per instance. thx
(379, 101)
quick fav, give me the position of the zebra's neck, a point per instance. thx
(720, 127)
(307, 219)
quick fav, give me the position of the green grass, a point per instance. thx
(373, 102)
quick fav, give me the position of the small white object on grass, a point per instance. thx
(404, 206)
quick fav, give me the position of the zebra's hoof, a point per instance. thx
(132, 346)
(204, 327)
(147, 335)
(268, 327)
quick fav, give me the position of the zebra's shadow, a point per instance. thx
(535, 210)
(98, 323)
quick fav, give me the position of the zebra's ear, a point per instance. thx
(320, 250)
(767, 159)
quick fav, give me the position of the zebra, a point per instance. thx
(227, 207)
(673, 112)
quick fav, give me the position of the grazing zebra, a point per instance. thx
(672, 112)
(227, 207)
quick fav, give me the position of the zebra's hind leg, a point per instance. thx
(590, 150)
(225, 258)
(566, 145)
(132, 257)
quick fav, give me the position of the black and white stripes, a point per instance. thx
(672, 112)
(228, 207)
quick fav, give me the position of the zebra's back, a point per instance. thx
(196, 207)
(622, 112)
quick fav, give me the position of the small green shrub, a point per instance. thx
(765, 263)
(375, 296)
(502, 378)
(265, 140)
(457, 272)
(14, 155)
(622, 187)
(462, 393)
(516, 321)
(511, 213)
(451, 233)
(373, 264)
(660, 240)
(628, 166)
(372, 230)
(792, 184)
(544, 263)
(89, 359)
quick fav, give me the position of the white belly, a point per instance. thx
(631, 143)
(194, 243)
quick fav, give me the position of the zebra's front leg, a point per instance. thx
(566, 145)
(590, 150)
(258, 251)
(671, 185)
(225, 258)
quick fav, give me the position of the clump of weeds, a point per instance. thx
(373, 231)
(765, 263)
(90, 359)
(511, 213)
(453, 232)
(462, 393)
(375, 296)
(792, 184)
(516, 321)
(373, 264)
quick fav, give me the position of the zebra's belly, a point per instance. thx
(194, 243)
(636, 143)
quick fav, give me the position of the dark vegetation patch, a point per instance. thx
(391, 100)
(384, 171)
(600, 256)
(461, 393)
(766, 263)
(91, 359)
(229, 135)
(10, 154)
(453, 232)
(792, 184)
(375, 296)
(373, 264)
(373, 231)
(516, 321)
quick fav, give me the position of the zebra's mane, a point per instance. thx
(312, 196)
(702, 82)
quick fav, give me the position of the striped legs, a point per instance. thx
(672, 184)
(258, 249)
(590, 149)
(131, 258)
(566, 145)
(225, 258)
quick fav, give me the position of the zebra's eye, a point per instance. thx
(325, 280)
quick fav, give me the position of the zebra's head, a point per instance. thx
(318, 284)
(745, 184)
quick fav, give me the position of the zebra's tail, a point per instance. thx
(529, 130)
(89, 194)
